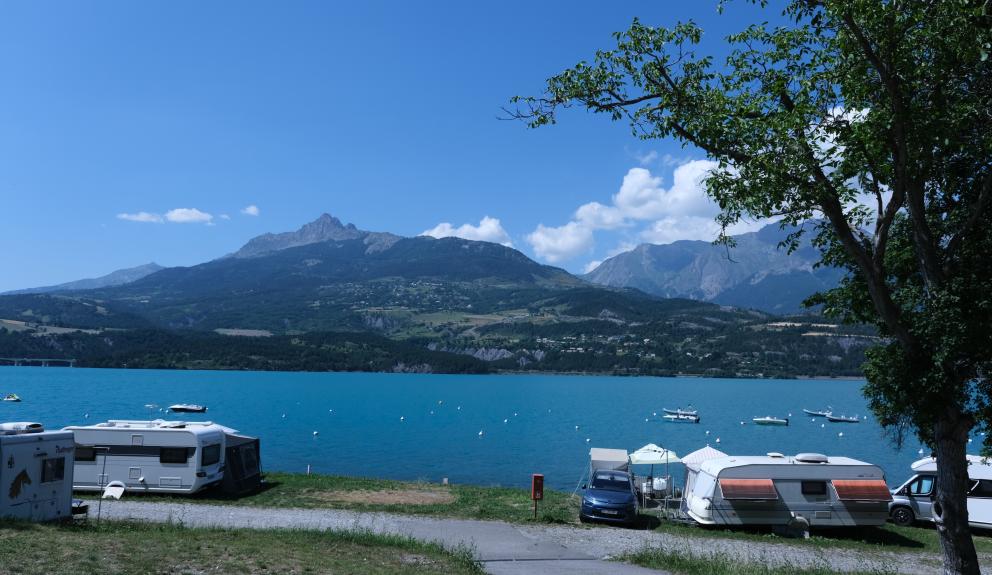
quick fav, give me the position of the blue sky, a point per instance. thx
(184, 114)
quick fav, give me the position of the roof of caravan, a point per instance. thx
(605, 454)
(716, 465)
(978, 467)
(154, 425)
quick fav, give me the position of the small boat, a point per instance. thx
(188, 408)
(681, 418)
(11, 397)
(769, 420)
(825, 413)
(681, 411)
(843, 419)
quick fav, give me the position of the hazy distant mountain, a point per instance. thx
(326, 228)
(756, 273)
(114, 278)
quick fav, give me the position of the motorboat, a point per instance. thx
(843, 419)
(681, 418)
(825, 413)
(681, 411)
(769, 420)
(188, 408)
(11, 397)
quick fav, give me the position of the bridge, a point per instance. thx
(38, 361)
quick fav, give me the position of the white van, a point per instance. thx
(913, 500)
(149, 456)
(36, 472)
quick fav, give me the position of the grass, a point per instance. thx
(137, 548)
(366, 494)
(690, 564)
(921, 538)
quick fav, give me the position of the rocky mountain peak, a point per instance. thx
(326, 228)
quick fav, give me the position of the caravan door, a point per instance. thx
(980, 504)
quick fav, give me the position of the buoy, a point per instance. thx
(480, 433)
(505, 420)
(330, 411)
(432, 412)
(645, 420)
(439, 402)
(969, 440)
(742, 423)
(86, 416)
(588, 440)
(284, 416)
(920, 451)
(514, 414)
(576, 428)
(459, 408)
(840, 434)
(790, 415)
(316, 433)
(655, 414)
(718, 440)
(402, 418)
(822, 425)
(707, 432)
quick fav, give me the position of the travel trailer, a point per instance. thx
(35, 472)
(913, 500)
(164, 456)
(807, 490)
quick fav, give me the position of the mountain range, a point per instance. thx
(115, 278)
(755, 273)
(332, 296)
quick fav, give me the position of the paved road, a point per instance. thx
(503, 548)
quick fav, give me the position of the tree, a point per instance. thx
(853, 103)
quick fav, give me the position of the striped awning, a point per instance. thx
(754, 489)
(862, 490)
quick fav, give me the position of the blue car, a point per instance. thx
(609, 497)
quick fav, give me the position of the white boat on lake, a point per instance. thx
(188, 408)
(769, 420)
(681, 418)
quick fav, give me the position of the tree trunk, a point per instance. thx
(951, 505)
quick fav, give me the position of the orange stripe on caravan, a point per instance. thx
(862, 490)
(748, 489)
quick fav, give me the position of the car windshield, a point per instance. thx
(611, 481)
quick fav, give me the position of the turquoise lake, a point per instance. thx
(442, 415)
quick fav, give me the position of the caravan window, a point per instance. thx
(211, 455)
(814, 487)
(85, 453)
(922, 486)
(982, 488)
(52, 469)
(172, 455)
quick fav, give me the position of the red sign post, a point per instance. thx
(536, 489)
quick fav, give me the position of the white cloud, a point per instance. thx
(648, 158)
(188, 216)
(561, 243)
(225, 217)
(488, 230)
(144, 217)
(251, 210)
(591, 266)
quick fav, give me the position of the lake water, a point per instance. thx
(427, 426)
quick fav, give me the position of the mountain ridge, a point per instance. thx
(114, 278)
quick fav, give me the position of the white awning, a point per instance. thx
(696, 458)
(652, 454)
(601, 458)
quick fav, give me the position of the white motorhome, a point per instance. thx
(913, 500)
(808, 490)
(150, 456)
(35, 472)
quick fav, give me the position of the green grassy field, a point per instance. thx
(685, 564)
(136, 548)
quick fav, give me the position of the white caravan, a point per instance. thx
(808, 490)
(149, 456)
(913, 500)
(35, 472)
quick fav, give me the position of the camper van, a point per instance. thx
(161, 456)
(913, 500)
(807, 490)
(36, 472)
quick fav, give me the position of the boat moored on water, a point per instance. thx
(188, 408)
(825, 413)
(681, 418)
(769, 420)
(681, 411)
(11, 397)
(843, 419)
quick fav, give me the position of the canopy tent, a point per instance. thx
(613, 459)
(696, 458)
(652, 454)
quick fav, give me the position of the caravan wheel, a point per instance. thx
(903, 516)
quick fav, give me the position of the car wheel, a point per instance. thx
(582, 519)
(903, 516)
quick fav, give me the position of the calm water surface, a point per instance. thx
(529, 424)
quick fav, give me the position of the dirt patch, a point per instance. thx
(388, 496)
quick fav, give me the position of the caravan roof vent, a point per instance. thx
(811, 458)
(19, 427)
(775, 454)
